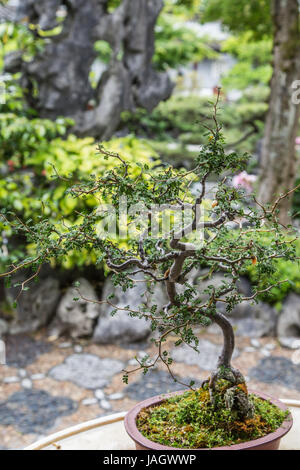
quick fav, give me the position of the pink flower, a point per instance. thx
(297, 140)
(244, 180)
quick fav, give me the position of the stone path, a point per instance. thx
(46, 386)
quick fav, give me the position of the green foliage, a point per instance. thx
(284, 269)
(17, 37)
(240, 15)
(253, 68)
(191, 421)
(32, 151)
(177, 44)
(177, 123)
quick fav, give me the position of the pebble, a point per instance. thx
(11, 380)
(105, 404)
(26, 383)
(99, 394)
(78, 348)
(270, 346)
(249, 349)
(89, 401)
(22, 373)
(255, 343)
(65, 345)
(116, 396)
(265, 352)
(38, 376)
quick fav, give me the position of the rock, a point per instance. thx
(256, 320)
(86, 370)
(99, 394)
(105, 405)
(289, 342)
(116, 396)
(26, 383)
(78, 348)
(288, 326)
(255, 343)
(65, 345)
(279, 370)
(121, 328)
(77, 318)
(33, 411)
(207, 357)
(11, 379)
(89, 401)
(3, 327)
(22, 350)
(22, 373)
(38, 376)
(35, 307)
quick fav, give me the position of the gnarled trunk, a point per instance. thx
(278, 163)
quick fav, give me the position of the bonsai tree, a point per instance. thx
(231, 234)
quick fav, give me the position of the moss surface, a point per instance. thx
(191, 421)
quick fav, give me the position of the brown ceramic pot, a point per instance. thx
(269, 442)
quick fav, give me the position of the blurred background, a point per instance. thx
(138, 75)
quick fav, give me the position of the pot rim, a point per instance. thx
(134, 433)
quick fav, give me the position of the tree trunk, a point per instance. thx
(228, 339)
(60, 73)
(278, 161)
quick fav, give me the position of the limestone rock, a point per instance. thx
(121, 328)
(87, 370)
(254, 320)
(3, 327)
(35, 307)
(77, 318)
(288, 326)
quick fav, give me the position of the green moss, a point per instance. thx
(191, 421)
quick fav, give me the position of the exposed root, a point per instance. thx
(235, 395)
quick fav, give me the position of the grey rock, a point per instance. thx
(105, 404)
(3, 327)
(65, 345)
(34, 411)
(35, 307)
(279, 370)
(121, 328)
(86, 370)
(289, 342)
(256, 320)
(255, 343)
(78, 348)
(38, 376)
(205, 359)
(78, 318)
(89, 401)
(99, 394)
(288, 325)
(11, 380)
(116, 396)
(22, 373)
(26, 383)
(22, 350)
